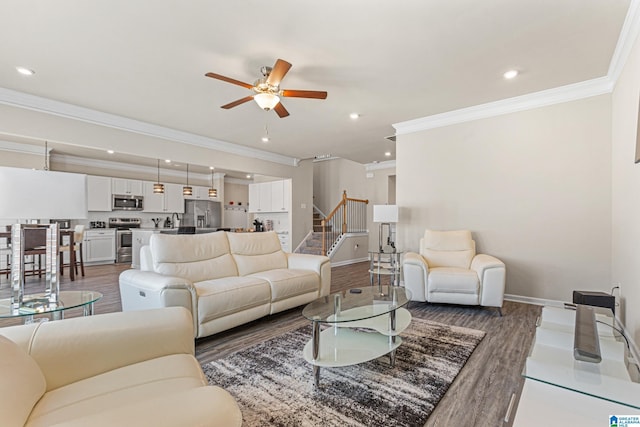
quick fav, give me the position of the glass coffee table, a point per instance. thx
(37, 304)
(364, 325)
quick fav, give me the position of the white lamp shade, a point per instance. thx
(37, 194)
(385, 213)
(266, 101)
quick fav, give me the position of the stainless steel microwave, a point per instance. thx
(122, 202)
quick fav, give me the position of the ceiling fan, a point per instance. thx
(267, 89)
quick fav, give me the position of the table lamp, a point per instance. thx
(27, 194)
(386, 215)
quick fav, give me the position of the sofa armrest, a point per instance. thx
(318, 263)
(415, 270)
(73, 349)
(492, 274)
(154, 281)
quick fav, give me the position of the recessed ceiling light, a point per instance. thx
(387, 153)
(25, 71)
(248, 176)
(265, 139)
(354, 116)
(510, 74)
(167, 161)
(211, 167)
(110, 151)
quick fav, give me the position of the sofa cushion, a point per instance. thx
(286, 283)
(448, 248)
(221, 297)
(196, 257)
(254, 252)
(128, 385)
(453, 280)
(22, 383)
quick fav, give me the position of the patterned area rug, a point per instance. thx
(273, 384)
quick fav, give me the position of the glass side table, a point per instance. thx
(383, 264)
(37, 304)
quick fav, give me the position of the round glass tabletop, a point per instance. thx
(39, 304)
(357, 304)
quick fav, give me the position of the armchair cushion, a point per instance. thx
(448, 248)
(22, 383)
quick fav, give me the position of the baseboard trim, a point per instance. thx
(534, 301)
(348, 262)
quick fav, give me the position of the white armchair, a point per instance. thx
(448, 270)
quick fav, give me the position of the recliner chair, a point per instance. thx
(448, 270)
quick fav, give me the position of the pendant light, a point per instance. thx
(187, 190)
(158, 187)
(213, 193)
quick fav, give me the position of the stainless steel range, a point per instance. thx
(124, 237)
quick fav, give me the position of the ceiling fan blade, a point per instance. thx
(280, 68)
(282, 112)
(229, 80)
(238, 102)
(316, 94)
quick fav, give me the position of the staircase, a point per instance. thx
(313, 244)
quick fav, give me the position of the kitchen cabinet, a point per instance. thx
(98, 193)
(99, 246)
(280, 195)
(274, 196)
(129, 187)
(284, 241)
(199, 193)
(169, 202)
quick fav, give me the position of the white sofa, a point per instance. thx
(225, 279)
(117, 369)
(448, 270)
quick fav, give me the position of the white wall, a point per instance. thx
(534, 187)
(626, 192)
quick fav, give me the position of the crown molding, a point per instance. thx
(66, 159)
(388, 164)
(231, 180)
(22, 148)
(530, 101)
(49, 106)
(628, 36)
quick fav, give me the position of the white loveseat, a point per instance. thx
(116, 369)
(225, 279)
(448, 270)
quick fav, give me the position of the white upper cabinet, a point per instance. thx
(98, 193)
(272, 196)
(199, 193)
(129, 187)
(169, 202)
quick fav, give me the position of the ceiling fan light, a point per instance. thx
(266, 101)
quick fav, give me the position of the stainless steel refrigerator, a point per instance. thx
(202, 214)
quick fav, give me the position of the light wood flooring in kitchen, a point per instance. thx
(480, 394)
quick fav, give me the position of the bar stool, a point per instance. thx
(78, 237)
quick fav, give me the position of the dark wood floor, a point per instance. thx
(480, 394)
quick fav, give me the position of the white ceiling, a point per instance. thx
(390, 61)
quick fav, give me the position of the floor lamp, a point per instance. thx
(37, 194)
(386, 215)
